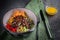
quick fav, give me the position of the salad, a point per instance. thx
(19, 22)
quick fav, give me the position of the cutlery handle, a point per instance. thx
(37, 31)
(47, 29)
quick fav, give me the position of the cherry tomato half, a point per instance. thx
(8, 26)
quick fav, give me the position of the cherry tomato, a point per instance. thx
(11, 28)
(8, 26)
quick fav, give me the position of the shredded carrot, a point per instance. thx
(19, 12)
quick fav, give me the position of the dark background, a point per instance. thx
(54, 21)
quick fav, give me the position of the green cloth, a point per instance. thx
(33, 6)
